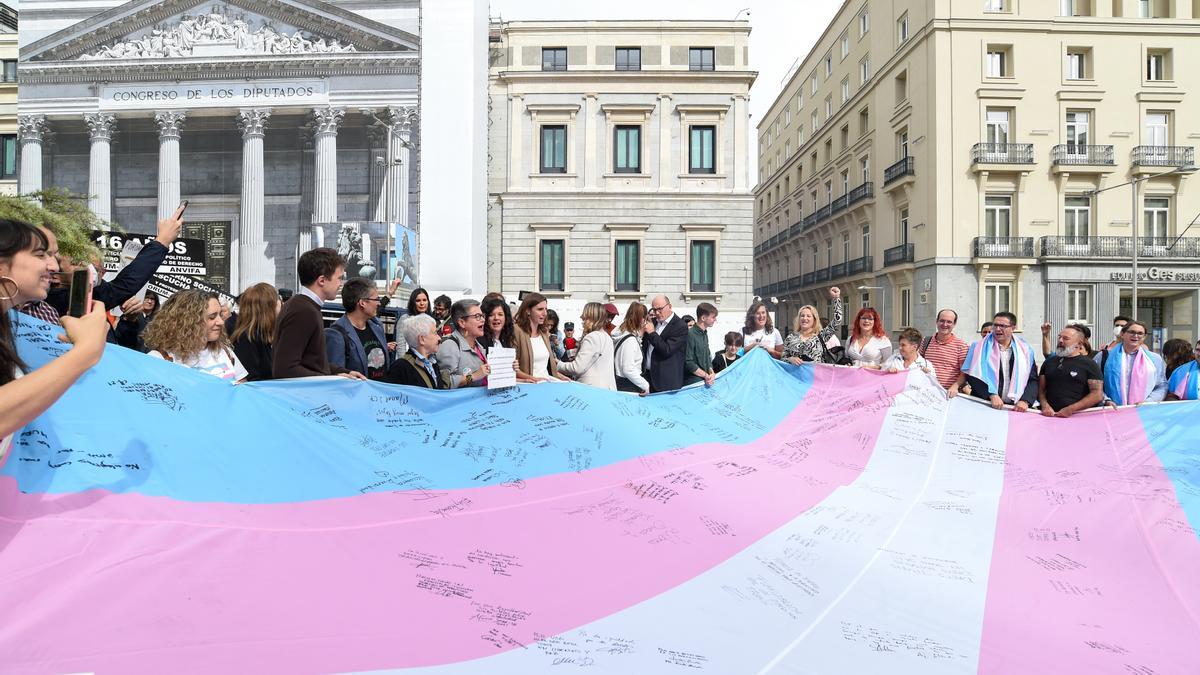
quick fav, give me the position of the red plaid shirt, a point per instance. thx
(41, 310)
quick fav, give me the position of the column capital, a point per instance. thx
(169, 123)
(100, 125)
(253, 122)
(32, 127)
(403, 119)
(326, 120)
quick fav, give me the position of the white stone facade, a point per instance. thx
(275, 119)
(647, 196)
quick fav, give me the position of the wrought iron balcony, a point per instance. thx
(808, 279)
(898, 254)
(822, 275)
(1002, 153)
(905, 167)
(1003, 247)
(824, 212)
(795, 229)
(811, 219)
(860, 193)
(839, 204)
(1164, 155)
(1119, 247)
(837, 270)
(860, 265)
(1082, 155)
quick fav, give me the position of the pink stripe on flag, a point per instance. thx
(127, 583)
(1095, 566)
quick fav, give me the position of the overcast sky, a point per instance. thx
(782, 31)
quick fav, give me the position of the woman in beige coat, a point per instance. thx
(594, 363)
(531, 337)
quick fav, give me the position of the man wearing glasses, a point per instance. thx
(664, 343)
(1132, 373)
(1000, 368)
(356, 341)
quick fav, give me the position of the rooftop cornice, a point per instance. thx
(201, 68)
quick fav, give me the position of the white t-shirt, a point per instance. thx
(541, 357)
(222, 364)
(761, 336)
(897, 362)
(6, 442)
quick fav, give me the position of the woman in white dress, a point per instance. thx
(869, 346)
(189, 331)
(759, 331)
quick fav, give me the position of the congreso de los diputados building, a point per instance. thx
(286, 124)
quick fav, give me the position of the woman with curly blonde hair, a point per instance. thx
(189, 331)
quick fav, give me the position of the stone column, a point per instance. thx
(403, 121)
(741, 144)
(169, 123)
(666, 122)
(309, 239)
(591, 166)
(31, 129)
(325, 128)
(100, 130)
(253, 265)
(377, 198)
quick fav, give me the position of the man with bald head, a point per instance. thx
(664, 344)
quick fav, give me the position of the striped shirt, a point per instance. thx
(40, 309)
(947, 358)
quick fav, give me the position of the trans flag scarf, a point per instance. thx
(983, 363)
(1132, 386)
(1185, 382)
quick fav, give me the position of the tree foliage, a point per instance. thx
(63, 213)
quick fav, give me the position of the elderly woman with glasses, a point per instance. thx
(461, 358)
(1133, 374)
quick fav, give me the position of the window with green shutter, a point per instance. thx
(551, 274)
(628, 266)
(704, 266)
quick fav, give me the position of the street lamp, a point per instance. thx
(1133, 220)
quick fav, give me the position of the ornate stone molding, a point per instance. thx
(253, 122)
(100, 125)
(31, 127)
(217, 32)
(170, 122)
(233, 67)
(403, 119)
(326, 120)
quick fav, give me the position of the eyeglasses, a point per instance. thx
(373, 299)
(1000, 326)
(656, 310)
(1135, 333)
(478, 316)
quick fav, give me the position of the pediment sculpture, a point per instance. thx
(214, 33)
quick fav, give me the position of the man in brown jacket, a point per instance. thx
(299, 343)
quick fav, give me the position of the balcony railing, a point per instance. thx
(864, 191)
(898, 254)
(1086, 155)
(905, 167)
(822, 275)
(839, 204)
(837, 270)
(860, 265)
(1119, 247)
(810, 220)
(1002, 153)
(1003, 247)
(808, 279)
(824, 212)
(1164, 155)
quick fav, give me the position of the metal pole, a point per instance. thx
(1133, 219)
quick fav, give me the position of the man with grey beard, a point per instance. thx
(1070, 380)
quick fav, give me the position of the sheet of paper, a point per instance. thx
(503, 374)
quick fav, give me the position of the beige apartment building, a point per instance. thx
(8, 100)
(946, 153)
(619, 162)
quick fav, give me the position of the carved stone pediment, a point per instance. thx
(141, 30)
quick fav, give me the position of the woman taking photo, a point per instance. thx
(460, 358)
(759, 331)
(536, 361)
(25, 269)
(497, 324)
(594, 363)
(811, 341)
(869, 345)
(255, 328)
(189, 331)
(627, 351)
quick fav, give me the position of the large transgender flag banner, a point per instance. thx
(788, 520)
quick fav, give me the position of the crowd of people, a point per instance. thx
(445, 344)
